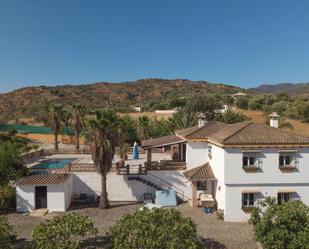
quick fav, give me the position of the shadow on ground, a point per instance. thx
(212, 244)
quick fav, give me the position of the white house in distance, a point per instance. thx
(229, 167)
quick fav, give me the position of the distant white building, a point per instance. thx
(137, 109)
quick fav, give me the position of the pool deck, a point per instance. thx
(86, 158)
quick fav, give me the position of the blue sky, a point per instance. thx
(243, 43)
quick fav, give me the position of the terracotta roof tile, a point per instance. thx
(186, 131)
(249, 133)
(44, 179)
(205, 131)
(161, 141)
(200, 173)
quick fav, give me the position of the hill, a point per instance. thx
(300, 88)
(33, 101)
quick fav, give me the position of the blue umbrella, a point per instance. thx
(135, 151)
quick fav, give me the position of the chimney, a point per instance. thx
(274, 120)
(201, 120)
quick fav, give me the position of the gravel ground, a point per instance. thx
(214, 233)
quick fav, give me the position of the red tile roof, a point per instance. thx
(161, 141)
(249, 133)
(44, 179)
(200, 173)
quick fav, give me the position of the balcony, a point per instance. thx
(166, 165)
(250, 168)
(288, 166)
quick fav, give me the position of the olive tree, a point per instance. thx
(62, 232)
(156, 228)
(281, 226)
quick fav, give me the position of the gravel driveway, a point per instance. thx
(214, 233)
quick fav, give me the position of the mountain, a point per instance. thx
(300, 88)
(33, 101)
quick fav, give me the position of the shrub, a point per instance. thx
(7, 197)
(6, 233)
(232, 117)
(62, 232)
(156, 228)
(242, 103)
(281, 226)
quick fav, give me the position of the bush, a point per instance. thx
(6, 233)
(242, 103)
(156, 228)
(7, 197)
(281, 226)
(232, 117)
(62, 232)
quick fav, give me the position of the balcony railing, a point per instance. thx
(166, 165)
(132, 170)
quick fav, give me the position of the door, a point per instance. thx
(40, 197)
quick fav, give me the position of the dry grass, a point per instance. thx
(298, 126)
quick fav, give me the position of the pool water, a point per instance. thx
(58, 163)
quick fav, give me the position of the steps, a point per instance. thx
(145, 181)
(151, 183)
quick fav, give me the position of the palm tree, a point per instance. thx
(143, 127)
(55, 118)
(183, 119)
(102, 135)
(77, 120)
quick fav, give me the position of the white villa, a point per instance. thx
(228, 167)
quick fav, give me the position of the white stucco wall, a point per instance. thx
(119, 188)
(234, 211)
(25, 200)
(196, 154)
(217, 163)
(176, 179)
(268, 180)
(55, 198)
(68, 192)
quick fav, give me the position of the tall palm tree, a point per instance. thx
(102, 135)
(55, 118)
(143, 127)
(77, 120)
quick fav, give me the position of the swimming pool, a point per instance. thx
(57, 163)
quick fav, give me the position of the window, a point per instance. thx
(248, 199)
(201, 185)
(284, 160)
(248, 161)
(283, 197)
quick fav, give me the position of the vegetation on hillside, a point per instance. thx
(295, 107)
(150, 94)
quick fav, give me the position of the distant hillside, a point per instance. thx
(300, 88)
(33, 101)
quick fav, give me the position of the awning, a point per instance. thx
(287, 150)
(250, 191)
(200, 173)
(251, 150)
(161, 142)
(286, 191)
